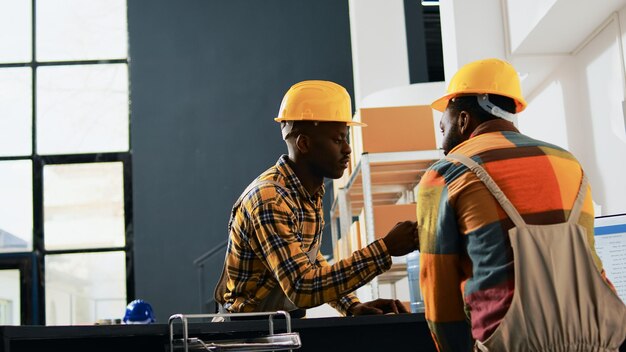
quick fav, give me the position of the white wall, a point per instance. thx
(527, 16)
(573, 80)
(379, 49)
(579, 107)
(553, 26)
(470, 30)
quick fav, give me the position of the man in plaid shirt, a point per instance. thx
(273, 260)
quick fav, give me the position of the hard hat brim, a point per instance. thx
(350, 123)
(442, 103)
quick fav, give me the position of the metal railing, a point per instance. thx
(209, 278)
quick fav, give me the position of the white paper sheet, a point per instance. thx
(610, 238)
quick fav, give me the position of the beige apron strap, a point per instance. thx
(574, 214)
(277, 299)
(220, 288)
(555, 279)
(502, 199)
(497, 193)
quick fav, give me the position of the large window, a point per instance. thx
(65, 166)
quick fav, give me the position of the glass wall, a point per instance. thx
(65, 166)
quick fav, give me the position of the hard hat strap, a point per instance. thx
(488, 106)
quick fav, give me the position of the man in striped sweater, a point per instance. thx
(469, 274)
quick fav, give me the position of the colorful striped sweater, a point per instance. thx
(466, 260)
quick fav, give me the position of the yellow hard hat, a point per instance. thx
(314, 100)
(489, 76)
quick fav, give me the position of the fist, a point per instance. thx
(402, 239)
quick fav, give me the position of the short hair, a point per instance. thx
(470, 104)
(297, 127)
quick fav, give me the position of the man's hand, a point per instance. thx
(402, 239)
(379, 306)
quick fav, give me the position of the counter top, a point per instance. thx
(362, 333)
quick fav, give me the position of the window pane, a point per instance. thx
(82, 109)
(10, 297)
(16, 208)
(15, 111)
(15, 31)
(83, 206)
(83, 288)
(81, 30)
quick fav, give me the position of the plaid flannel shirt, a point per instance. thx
(271, 232)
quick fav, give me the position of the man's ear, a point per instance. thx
(303, 143)
(464, 122)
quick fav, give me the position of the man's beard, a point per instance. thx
(454, 139)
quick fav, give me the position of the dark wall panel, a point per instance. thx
(207, 77)
(423, 36)
(416, 41)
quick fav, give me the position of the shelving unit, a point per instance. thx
(378, 179)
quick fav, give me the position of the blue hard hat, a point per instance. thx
(139, 312)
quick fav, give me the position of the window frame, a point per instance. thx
(32, 264)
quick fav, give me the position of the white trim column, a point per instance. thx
(379, 50)
(470, 30)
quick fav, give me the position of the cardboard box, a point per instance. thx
(387, 216)
(393, 129)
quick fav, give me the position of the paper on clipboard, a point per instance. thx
(610, 243)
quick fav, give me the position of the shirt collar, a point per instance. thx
(292, 182)
(497, 125)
